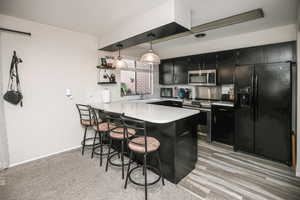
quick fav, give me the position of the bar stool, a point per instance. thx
(101, 131)
(86, 121)
(143, 145)
(116, 133)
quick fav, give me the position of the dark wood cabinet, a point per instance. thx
(168, 103)
(222, 129)
(173, 71)
(194, 62)
(166, 72)
(180, 71)
(210, 61)
(278, 53)
(226, 62)
(252, 55)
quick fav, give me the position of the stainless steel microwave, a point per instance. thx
(203, 77)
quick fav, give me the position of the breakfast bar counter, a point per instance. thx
(175, 128)
(148, 112)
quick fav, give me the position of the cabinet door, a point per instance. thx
(252, 55)
(210, 60)
(278, 52)
(180, 71)
(223, 124)
(225, 67)
(166, 72)
(195, 62)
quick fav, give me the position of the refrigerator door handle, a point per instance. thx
(256, 98)
(251, 92)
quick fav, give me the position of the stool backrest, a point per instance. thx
(137, 125)
(84, 114)
(96, 116)
(113, 120)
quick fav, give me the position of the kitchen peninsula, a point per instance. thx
(175, 128)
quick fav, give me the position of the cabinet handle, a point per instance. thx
(222, 109)
(215, 119)
(184, 133)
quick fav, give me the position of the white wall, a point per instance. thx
(4, 160)
(54, 59)
(298, 93)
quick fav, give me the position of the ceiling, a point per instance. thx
(98, 17)
(94, 17)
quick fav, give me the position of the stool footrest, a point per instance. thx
(88, 139)
(98, 147)
(140, 184)
(113, 154)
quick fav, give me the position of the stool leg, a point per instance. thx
(83, 145)
(108, 155)
(160, 169)
(128, 169)
(93, 147)
(101, 147)
(145, 176)
(122, 157)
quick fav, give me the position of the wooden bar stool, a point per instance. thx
(143, 145)
(101, 130)
(116, 133)
(86, 121)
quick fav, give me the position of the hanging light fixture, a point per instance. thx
(119, 62)
(150, 57)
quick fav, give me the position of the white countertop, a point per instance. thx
(139, 109)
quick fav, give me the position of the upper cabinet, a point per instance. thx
(252, 55)
(226, 62)
(210, 61)
(202, 61)
(278, 52)
(166, 72)
(180, 71)
(173, 71)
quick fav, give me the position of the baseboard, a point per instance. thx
(44, 156)
(298, 172)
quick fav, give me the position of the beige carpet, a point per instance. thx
(69, 176)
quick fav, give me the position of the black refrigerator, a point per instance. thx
(263, 110)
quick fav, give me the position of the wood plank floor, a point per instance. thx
(224, 174)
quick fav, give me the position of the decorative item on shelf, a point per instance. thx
(119, 62)
(109, 61)
(103, 62)
(106, 76)
(150, 57)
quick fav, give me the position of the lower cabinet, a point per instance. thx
(168, 103)
(222, 128)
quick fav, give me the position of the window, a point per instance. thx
(136, 79)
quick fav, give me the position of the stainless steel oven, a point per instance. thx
(203, 77)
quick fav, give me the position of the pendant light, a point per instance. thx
(119, 62)
(150, 57)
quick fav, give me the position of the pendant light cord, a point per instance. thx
(151, 35)
(119, 47)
